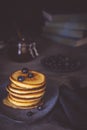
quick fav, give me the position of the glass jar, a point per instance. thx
(21, 50)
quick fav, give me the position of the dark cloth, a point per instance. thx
(74, 104)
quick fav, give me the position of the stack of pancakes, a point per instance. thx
(27, 93)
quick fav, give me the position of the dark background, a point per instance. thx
(27, 15)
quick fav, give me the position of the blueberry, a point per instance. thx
(30, 113)
(30, 75)
(21, 78)
(40, 107)
(25, 70)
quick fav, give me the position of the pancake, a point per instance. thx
(10, 104)
(31, 95)
(26, 89)
(23, 99)
(9, 88)
(22, 103)
(18, 89)
(35, 82)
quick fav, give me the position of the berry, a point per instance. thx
(25, 70)
(30, 113)
(30, 75)
(40, 107)
(21, 78)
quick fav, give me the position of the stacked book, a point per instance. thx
(66, 29)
